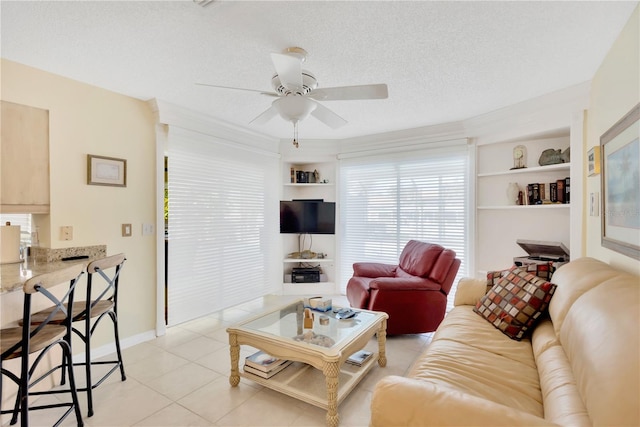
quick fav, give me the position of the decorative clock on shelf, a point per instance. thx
(519, 157)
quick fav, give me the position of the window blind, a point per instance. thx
(24, 221)
(387, 201)
(222, 212)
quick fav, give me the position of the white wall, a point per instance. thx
(615, 89)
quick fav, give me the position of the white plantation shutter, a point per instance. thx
(387, 201)
(223, 211)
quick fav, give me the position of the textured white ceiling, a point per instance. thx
(442, 61)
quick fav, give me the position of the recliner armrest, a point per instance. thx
(403, 284)
(374, 269)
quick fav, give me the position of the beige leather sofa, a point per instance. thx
(580, 366)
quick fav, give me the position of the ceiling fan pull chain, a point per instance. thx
(295, 134)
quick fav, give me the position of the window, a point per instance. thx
(222, 208)
(387, 201)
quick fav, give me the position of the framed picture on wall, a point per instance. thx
(106, 171)
(620, 185)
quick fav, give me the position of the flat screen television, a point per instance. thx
(307, 216)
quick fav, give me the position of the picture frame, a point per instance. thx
(108, 171)
(593, 161)
(620, 186)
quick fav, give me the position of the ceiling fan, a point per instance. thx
(298, 94)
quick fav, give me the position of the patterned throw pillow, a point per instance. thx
(515, 302)
(493, 277)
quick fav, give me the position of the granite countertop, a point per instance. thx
(13, 276)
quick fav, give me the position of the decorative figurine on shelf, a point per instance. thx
(554, 157)
(512, 193)
(519, 157)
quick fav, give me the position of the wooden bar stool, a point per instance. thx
(20, 342)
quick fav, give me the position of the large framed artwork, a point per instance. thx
(620, 180)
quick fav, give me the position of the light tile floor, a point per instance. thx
(182, 379)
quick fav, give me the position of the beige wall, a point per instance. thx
(85, 120)
(615, 89)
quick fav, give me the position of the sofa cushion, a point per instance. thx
(515, 302)
(468, 355)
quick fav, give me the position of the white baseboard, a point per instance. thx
(110, 348)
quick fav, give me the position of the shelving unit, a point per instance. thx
(318, 243)
(500, 222)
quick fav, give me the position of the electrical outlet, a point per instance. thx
(147, 229)
(66, 232)
(126, 230)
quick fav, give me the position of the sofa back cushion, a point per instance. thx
(573, 280)
(601, 339)
(427, 260)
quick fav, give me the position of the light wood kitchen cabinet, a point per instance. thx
(24, 159)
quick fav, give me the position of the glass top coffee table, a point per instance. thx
(319, 374)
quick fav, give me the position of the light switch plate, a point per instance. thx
(594, 208)
(126, 230)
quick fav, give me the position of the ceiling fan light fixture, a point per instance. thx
(294, 108)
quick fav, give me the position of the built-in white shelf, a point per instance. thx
(537, 169)
(311, 260)
(517, 207)
(310, 184)
(316, 288)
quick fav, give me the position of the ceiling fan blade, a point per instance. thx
(345, 93)
(239, 88)
(289, 69)
(264, 117)
(327, 116)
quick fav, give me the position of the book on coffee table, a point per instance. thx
(359, 357)
(269, 374)
(263, 362)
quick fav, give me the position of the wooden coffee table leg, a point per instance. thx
(331, 371)
(382, 344)
(234, 348)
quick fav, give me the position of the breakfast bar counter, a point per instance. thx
(45, 260)
(13, 276)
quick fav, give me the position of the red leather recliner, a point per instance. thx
(413, 293)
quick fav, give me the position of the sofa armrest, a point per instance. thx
(469, 291)
(374, 269)
(403, 284)
(400, 401)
